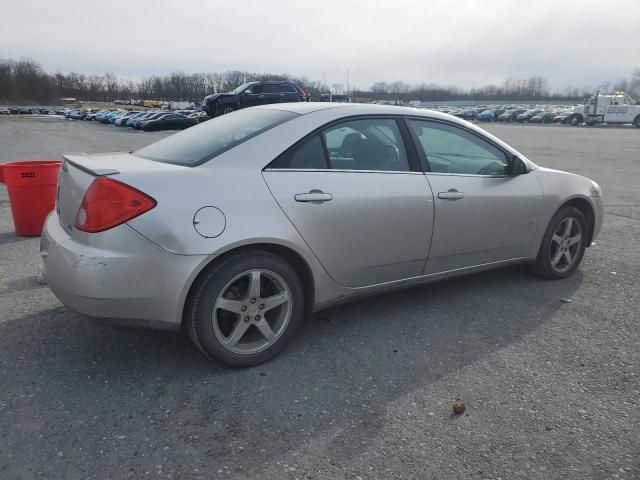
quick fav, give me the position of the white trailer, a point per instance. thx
(616, 108)
(178, 105)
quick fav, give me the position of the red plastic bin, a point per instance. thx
(32, 193)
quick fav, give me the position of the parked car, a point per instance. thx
(251, 94)
(526, 116)
(24, 110)
(98, 115)
(563, 117)
(510, 115)
(78, 114)
(170, 121)
(467, 114)
(14, 110)
(200, 116)
(90, 115)
(486, 116)
(121, 121)
(136, 122)
(543, 117)
(236, 228)
(4, 111)
(106, 117)
(128, 122)
(113, 118)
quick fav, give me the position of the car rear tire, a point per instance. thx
(637, 122)
(563, 244)
(246, 308)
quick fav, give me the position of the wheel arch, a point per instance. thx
(587, 210)
(636, 121)
(289, 255)
(579, 116)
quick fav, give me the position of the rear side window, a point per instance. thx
(286, 88)
(270, 88)
(308, 155)
(204, 141)
(373, 144)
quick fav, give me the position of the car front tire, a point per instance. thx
(563, 244)
(224, 109)
(246, 308)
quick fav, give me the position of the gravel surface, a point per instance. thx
(549, 371)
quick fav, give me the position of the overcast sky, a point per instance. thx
(455, 42)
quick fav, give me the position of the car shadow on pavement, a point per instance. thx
(127, 397)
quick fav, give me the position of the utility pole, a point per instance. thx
(347, 81)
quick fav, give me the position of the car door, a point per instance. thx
(482, 214)
(270, 94)
(251, 96)
(288, 93)
(358, 200)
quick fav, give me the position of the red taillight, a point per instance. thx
(109, 203)
(303, 94)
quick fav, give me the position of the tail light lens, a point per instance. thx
(108, 203)
(303, 94)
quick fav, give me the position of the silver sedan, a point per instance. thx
(235, 228)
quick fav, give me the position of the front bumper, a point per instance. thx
(117, 274)
(599, 216)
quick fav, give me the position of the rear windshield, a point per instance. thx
(198, 144)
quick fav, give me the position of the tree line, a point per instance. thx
(25, 81)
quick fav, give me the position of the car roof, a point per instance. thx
(303, 108)
(274, 82)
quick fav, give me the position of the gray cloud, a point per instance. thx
(455, 42)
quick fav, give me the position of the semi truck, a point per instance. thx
(613, 108)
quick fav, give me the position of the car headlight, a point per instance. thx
(596, 191)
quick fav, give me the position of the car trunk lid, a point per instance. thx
(80, 170)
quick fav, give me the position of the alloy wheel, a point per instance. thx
(565, 244)
(252, 311)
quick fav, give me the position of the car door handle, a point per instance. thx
(313, 196)
(452, 194)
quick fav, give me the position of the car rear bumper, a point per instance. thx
(132, 280)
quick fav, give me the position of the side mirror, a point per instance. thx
(248, 91)
(516, 167)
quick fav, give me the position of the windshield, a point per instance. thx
(242, 87)
(204, 141)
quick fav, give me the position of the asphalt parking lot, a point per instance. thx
(549, 371)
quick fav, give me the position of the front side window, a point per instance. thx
(450, 149)
(241, 88)
(202, 142)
